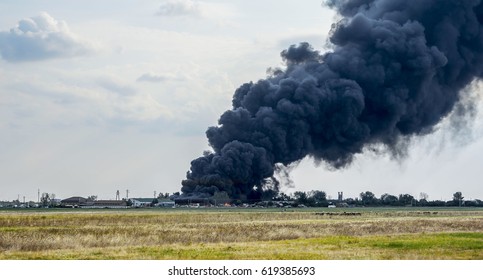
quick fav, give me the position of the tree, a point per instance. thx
(301, 197)
(154, 202)
(458, 198)
(423, 196)
(128, 202)
(423, 199)
(436, 203)
(316, 198)
(54, 202)
(163, 195)
(92, 198)
(281, 196)
(368, 198)
(319, 196)
(45, 199)
(388, 199)
(406, 199)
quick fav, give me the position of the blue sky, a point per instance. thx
(99, 96)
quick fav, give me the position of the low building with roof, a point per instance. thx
(141, 202)
(165, 203)
(75, 201)
(106, 204)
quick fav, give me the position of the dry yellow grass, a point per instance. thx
(206, 235)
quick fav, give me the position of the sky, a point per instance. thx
(100, 96)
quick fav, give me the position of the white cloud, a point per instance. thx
(116, 86)
(156, 78)
(41, 37)
(180, 8)
(219, 12)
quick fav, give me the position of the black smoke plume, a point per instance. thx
(396, 69)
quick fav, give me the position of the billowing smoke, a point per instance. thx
(396, 69)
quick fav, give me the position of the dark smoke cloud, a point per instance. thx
(396, 69)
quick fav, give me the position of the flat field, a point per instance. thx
(186, 234)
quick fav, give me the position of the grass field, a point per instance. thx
(397, 233)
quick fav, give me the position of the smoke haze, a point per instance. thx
(396, 68)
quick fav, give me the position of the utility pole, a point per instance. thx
(127, 194)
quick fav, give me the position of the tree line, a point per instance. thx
(317, 198)
(368, 198)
